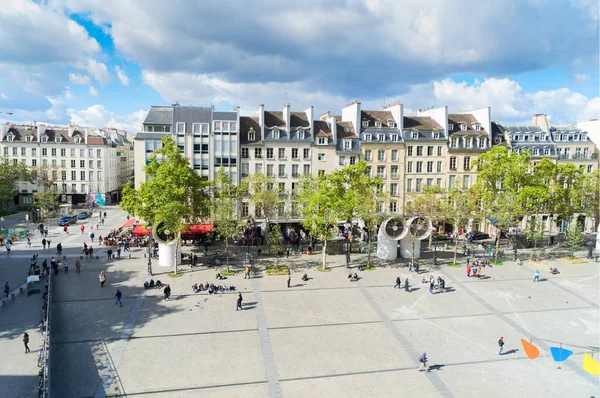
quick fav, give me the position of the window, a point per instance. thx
(34, 162)
(410, 151)
(281, 153)
(429, 182)
(44, 139)
(477, 127)
(99, 176)
(23, 152)
(468, 142)
(418, 185)
(454, 142)
(419, 167)
(546, 151)
(463, 127)
(180, 128)
(391, 124)
(44, 151)
(91, 164)
(258, 168)
(306, 169)
(381, 171)
(295, 172)
(63, 164)
(82, 175)
(419, 151)
(436, 135)
(467, 163)
(276, 133)
(196, 128)
(16, 151)
(91, 174)
(394, 155)
(439, 151)
(380, 137)
(453, 163)
(258, 153)
(306, 153)
(301, 134)
(282, 171)
(321, 157)
(466, 182)
(394, 172)
(367, 155)
(197, 148)
(381, 156)
(218, 127)
(590, 168)
(244, 209)
(378, 124)
(439, 182)
(352, 159)
(82, 163)
(430, 167)
(450, 127)
(269, 153)
(536, 151)
(294, 153)
(27, 139)
(53, 162)
(81, 152)
(63, 152)
(409, 167)
(226, 126)
(414, 135)
(429, 151)
(365, 124)
(73, 175)
(57, 139)
(53, 150)
(322, 141)
(409, 185)
(393, 206)
(245, 154)
(99, 153)
(482, 142)
(394, 137)
(251, 136)
(394, 189)
(33, 151)
(5, 150)
(44, 162)
(342, 161)
(368, 137)
(347, 145)
(439, 166)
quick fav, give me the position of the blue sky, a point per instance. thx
(103, 63)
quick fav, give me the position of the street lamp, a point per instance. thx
(148, 226)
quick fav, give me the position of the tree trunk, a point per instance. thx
(227, 253)
(413, 251)
(324, 252)
(176, 251)
(498, 243)
(455, 247)
(430, 240)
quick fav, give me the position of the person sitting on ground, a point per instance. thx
(304, 277)
(360, 268)
(355, 277)
(146, 285)
(554, 271)
(195, 288)
(219, 277)
(350, 277)
(158, 284)
(424, 280)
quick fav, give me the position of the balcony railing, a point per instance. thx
(394, 176)
(282, 175)
(582, 156)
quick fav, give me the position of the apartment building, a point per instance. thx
(278, 144)
(208, 138)
(469, 135)
(85, 163)
(573, 145)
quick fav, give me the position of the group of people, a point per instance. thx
(413, 265)
(474, 272)
(399, 284)
(211, 288)
(352, 277)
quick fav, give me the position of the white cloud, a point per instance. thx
(76, 78)
(93, 92)
(582, 78)
(122, 76)
(4, 96)
(98, 116)
(96, 69)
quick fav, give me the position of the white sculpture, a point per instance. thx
(167, 250)
(409, 233)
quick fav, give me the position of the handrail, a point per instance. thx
(46, 323)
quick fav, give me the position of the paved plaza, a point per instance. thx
(324, 337)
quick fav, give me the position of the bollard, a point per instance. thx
(81, 257)
(13, 296)
(97, 258)
(21, 290)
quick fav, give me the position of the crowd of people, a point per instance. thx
(211, 288)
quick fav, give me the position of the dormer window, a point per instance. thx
(346, 130)
(58, 140)
(28, 138)
(394, 137)
(368, 137)
(44, 139)
(477, 127)
(391, 124)
(463, 127)
(301, 134)
(436, 135)
(414, 135)
(365, 124)
(498, 139)
(546, 151)
(378, 124)
(380, 137)
(450, 127)
(275, 133)
(347, 144)
(10, 137)
(251, 136)
(322, 141)
(563, 137)
(77, 140)
(536, 151)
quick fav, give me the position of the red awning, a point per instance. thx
(199, 229)
(140, 230)
(129, 223)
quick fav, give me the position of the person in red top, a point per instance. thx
(468, 270)
(82, 229)
(66, 229)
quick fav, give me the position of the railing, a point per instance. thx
(578, 156)
(44, 360)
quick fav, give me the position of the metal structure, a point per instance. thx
(409, 233)
(168, 250)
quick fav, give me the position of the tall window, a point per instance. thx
(394, 189)
(73, 175)
(306, 153)
(467, 163)
(367, 155)
(394, 155)
(282, 171)
(430, 167)
(453, 163)
(269, 153)
(419, 183)
(419, 167)
(439, 166)
(281, 154)
(245, 154)
(381, 156)
(409, 152)
(409, 167)
(394, 172)
(419, 150)
(393, 206)
(294, 153)
(439, 151)
(258, 153)
(429, 151)
(409, 185)
(452, 182)
(381, 171)
(53, 151)
(180, 128)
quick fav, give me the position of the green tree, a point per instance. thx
(12, 173)
(574, 235)
(500, 176)
(427, 203)
(586, 195)
(534, 233)
(460, 208)
(319, 200)
(223, 204)
(47, 197)
(268, 201)
(174, 194)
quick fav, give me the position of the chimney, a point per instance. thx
(41, 129)
(541, 120)
(286, 115)
(261, 119)
(325, 116)
(310, 114)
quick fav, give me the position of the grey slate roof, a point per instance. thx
(149, 136)
(160, 115)
(192, 114)
(225, 115)
(248, 124)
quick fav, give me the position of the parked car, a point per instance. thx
(478, 235)
(83, 215)
(67, 220)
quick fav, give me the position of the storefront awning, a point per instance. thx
(199, 229)
(128, 223)
(140, 230)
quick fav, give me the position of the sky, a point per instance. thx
(103, 63)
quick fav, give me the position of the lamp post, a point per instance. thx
(148, 226)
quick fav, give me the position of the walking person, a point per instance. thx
(410, 266)
(406, 285)
(536, 275)
(119, 253)
(6, 290)
(289, 281)
(501, 345)
(28, 242)
(44, 243)
(239, 302)
(118, 296)
(102, 278)
(247, 272)
(66, 266)
(82, 228)
(167, 292)
(45, 232)
(78, 267)
(431, 287)
(92, 236)
(423, 360)
(26, 342)
(54, 265)
(66, 229)
(468, 270)
(398, 282)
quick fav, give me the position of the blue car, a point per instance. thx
(67, 220)
(83, 215)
